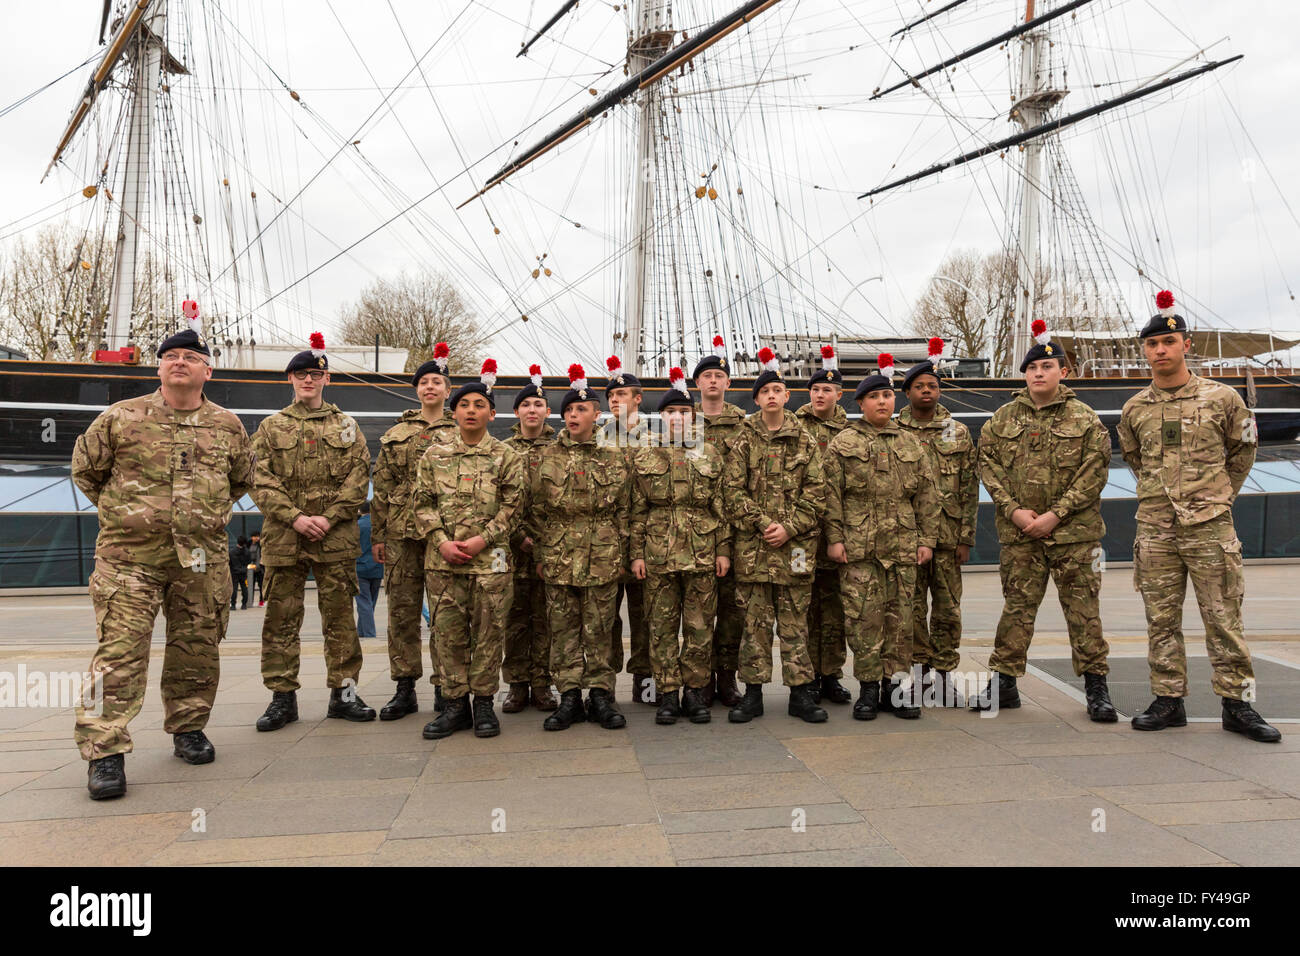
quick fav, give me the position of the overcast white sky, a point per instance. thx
(1183, 191)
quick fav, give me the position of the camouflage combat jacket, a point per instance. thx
(822, 431)
(774, 476)
(578, 514)
(720, 430)
(392, 509)
(1052, 458)
(955, 463)
(530, 450)
(881, 501)
(466, 490)
(164, 481)
(677, 517)
(310, 462)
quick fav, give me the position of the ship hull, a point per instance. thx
(44, 406)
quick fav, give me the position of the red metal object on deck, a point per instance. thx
(130, 355)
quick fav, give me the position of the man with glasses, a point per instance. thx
(164, 471)
(313, 471)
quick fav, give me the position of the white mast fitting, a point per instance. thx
(147, 58)
(652, 36)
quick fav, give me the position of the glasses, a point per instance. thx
(303, 374)
(186, 357)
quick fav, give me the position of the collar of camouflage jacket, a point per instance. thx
(567, 439)
(517, 430)
(299, 410)
(730, 414)
(417, 414)
(941, 414)
(839, 417)
(636, 431)
(889, 428)
(1063, 394)
(790, 427)
(484, 447)
(202, 415)
(1154, 393)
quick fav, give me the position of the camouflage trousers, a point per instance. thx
(878, 617)
(1211, 554)
(685, 600)
(127, 598)
(639, 661)
(404, 581)
(826, 645)
(938, 592)
(781, 609)
(336, 586)
(1075, 569)
(581, 620)
(528, 637)
(469, 614)
(728, 627)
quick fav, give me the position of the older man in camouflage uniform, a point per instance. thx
(579, 498)
(398, 545)
(775, 494)
(163, 470)
(954, 462)
(681, 545)
(313, 472)
(627, 431)
(1191, 442)
(467, 497)
(1043, 459)
(824, 418)
(527, 663)
(882, 524)
(721, 421)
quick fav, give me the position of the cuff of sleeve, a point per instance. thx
(930, 543)
(763, 522)
(724, 551)
(437, 537)
(1010, 509)
(1061, 513)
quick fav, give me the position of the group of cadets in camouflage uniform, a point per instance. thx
(721, 530)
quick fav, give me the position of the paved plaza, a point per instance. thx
(1040, 785)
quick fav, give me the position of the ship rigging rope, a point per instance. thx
(41, 89)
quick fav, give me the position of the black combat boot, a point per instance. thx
(946, 692)
(455, 716)
(517, 699)
(669, 708)
(835, 692)
(1241, 718)
(749, 706)
(1100, 709)
(282, 710)
(106, 777)
(706, 692)
(868, 700)
(485, 718)
(815, 689)
(804, 706)
(1008, 694)
(1163, 712)
(193, 746)
(644, 691)
(439, 702)
(569, 712)
(694, 707)
(602, 710)
(904, 703)
(403, 701)
(884, 702)
(725, 689)
(354, 709)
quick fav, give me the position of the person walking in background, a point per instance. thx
(255, 565)
(370, 575)
(239, 573)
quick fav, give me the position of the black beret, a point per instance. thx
(1163, 325)
(916, 371)
(470, 388)
(306, 359)
(870, 384)
(1050, 350)
(186, 339)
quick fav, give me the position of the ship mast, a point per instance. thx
(1029, 111)
(147, 58)
(652, 35)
